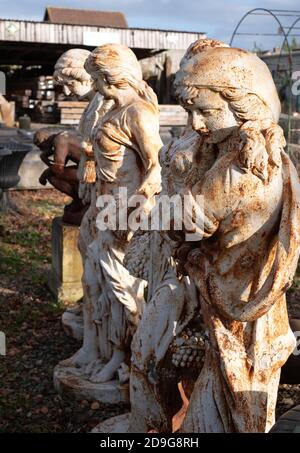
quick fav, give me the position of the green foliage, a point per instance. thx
(257, 48)
(294, 44)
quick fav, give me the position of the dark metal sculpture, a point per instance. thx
(58, 150)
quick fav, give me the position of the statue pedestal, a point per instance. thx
(71, 382)
(66, 272)
(72, 321)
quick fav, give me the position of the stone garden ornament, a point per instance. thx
(67, 146)
(76, 82)
(60, 148)
(250, 248)
(125, 144)
(168, 345)
(70, 73)
(240, 269)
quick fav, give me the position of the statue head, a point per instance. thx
(199, 46)
(114, 69)
(44, 137)
(223, 87)
(69, 72)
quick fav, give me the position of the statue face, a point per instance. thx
(77, 88)
(211, 115)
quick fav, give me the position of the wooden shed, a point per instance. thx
(34, 48)
(85, 17)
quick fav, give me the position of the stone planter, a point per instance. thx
(11, 157)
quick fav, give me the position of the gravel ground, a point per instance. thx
(30, 317)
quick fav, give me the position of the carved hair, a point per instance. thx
(70, 66)
(257, 127)
(199, 46)
(117, 65)
(257, 118)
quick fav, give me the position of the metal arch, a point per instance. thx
(268, 11)
(291, 71)
(286, 41)
(290, 29)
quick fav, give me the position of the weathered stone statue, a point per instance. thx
(248, 254)
(250, 247)
(76, 81)
(125, 145)
(71, 75)
(168, 346)
(67, 146)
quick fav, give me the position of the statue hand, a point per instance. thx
(150, 188)
(151, 185)
(45, 157)
(45, 176)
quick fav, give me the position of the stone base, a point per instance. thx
(114, 425)
(67, 293)
(70, 382)
(72, 321)
(66, 272)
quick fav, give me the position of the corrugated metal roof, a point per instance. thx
(83, 35)
(163, 30)
(73, 16)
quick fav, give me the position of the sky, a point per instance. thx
(217, 18)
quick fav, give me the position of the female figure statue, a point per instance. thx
(64, 146)
(126, 146)
(69, 72)
(248, 255)
(168, 345)
(243, 265)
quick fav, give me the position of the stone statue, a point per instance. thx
(66, 146)
(250, 247)
(168, 346)
(245, 261)
(169, 325)
(70, 74)
(125, 145)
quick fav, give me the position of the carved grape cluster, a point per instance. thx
(138, 255)
(188, 349)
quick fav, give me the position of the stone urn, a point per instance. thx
(12, 154)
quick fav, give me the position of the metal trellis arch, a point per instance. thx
(276, 14)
